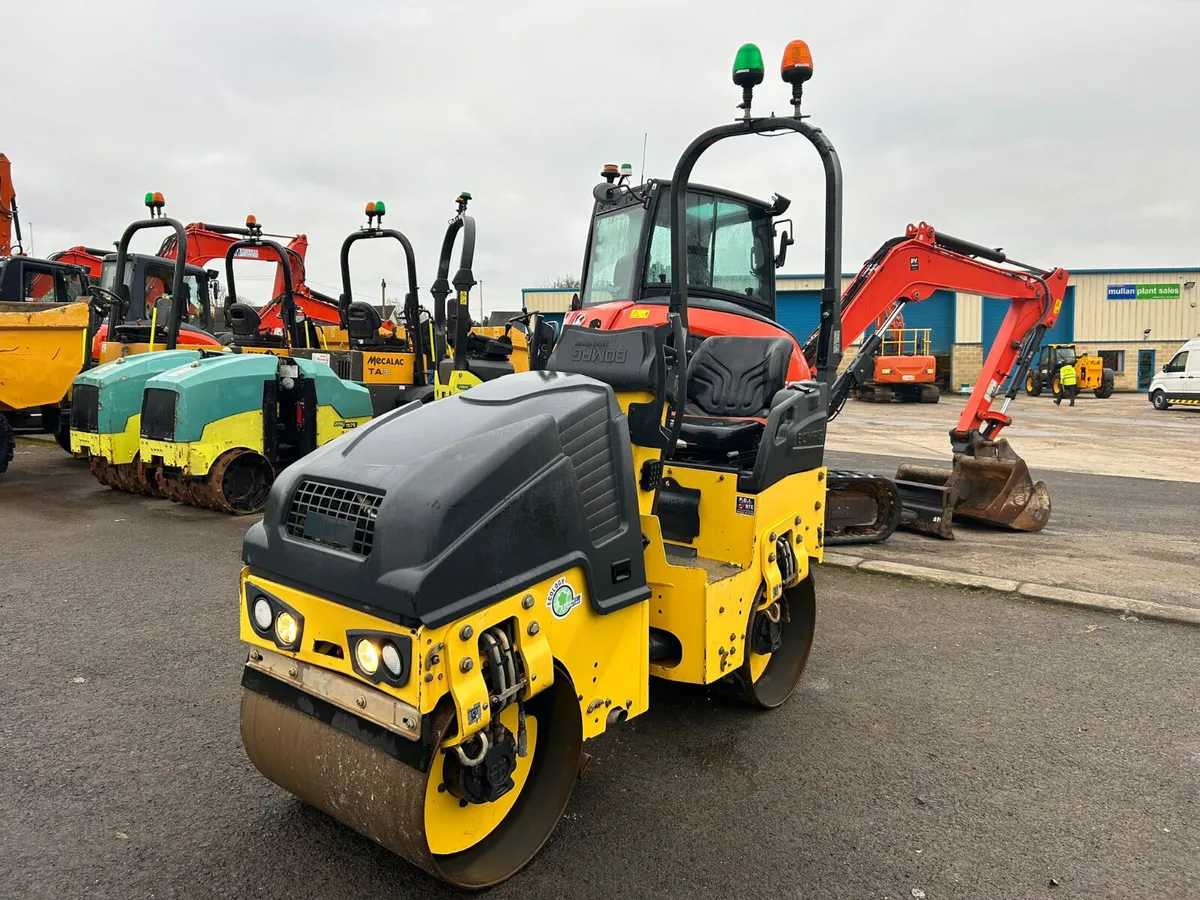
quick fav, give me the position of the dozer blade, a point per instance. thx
(860, 509)
(993, 486)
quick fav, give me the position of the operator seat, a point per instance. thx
(362, 324)
(732, 381)
(245, 322)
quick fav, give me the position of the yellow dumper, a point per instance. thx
(43, 347)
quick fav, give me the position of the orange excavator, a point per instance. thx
(988, 481)
(90, 258)
(904, 368)
(149, 276)
(208, 242)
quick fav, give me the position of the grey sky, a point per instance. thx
(1063, 130)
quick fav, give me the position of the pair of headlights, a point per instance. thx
(376, 656)
(274, 620)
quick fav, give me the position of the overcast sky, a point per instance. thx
(1066, 131)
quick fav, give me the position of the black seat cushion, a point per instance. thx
(482, 347)
(728, 435)
(731, 381)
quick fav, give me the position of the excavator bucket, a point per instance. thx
(993, 486)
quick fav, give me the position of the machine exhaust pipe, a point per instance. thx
(992, 484)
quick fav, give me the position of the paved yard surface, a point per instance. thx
(960, 744)
(1122, 436)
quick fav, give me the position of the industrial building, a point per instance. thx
(1134, 318)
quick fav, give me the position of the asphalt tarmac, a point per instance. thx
(943, 743)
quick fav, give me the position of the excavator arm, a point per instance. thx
(909, 270)
(8, 211)
(988, 482)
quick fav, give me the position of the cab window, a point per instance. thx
(38, 285)
(725, 248)
(1178, 364)
(612, 262)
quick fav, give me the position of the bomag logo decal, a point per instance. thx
(598, 352)
(344, 424)
(562, 598)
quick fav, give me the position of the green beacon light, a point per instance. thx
(149, 198)
(380, 208)
(747, 72)
(627, 170)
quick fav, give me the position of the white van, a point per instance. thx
(1179, 381)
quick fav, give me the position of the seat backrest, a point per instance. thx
(736, 376)
(243, 319)
(363, 321)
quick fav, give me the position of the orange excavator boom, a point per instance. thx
(989, 482)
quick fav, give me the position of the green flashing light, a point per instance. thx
(466, 195)
(748, 66)
(380, 207)
(149, 198)
(627, 170)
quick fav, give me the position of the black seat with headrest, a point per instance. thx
(732, 380)
(362, 323)
(243, 319)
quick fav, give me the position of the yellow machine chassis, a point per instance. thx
(709, 596)
(242, 431)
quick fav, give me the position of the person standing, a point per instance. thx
(1067, 383)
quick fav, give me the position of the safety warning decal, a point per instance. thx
(745, 505)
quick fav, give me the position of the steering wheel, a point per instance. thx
(102, 300)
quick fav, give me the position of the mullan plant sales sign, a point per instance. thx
(1143, 292)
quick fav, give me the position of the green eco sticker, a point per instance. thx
(562, 598)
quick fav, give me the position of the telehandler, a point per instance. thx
(444, 605)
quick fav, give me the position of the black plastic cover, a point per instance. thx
(485, 493)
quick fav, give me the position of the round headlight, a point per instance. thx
(287, 629)
(263, 614)
(367, 655)
(391, 658)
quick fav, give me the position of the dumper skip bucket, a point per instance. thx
(993, 486)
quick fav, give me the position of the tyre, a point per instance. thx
(1107, 379)
(1033, 383)
(8, 442)
(1159, 399)
(1056, 386)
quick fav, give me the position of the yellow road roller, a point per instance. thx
(444, 605)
